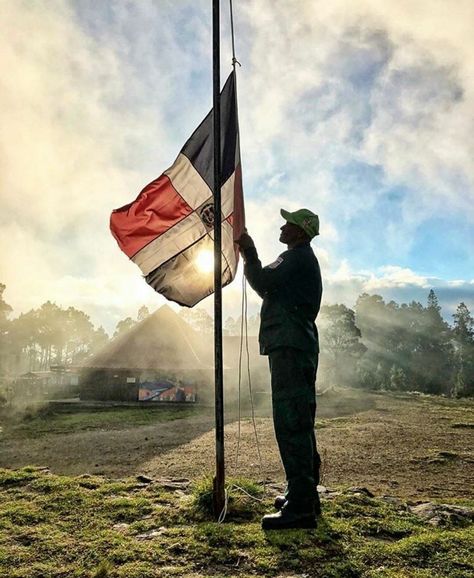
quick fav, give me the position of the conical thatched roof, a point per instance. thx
(161, 341)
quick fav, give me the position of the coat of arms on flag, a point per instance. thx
(168, 230)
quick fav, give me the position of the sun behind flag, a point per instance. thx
(168, 230)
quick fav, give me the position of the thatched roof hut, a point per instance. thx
(161, 347)
(164, 349)
(161, 341)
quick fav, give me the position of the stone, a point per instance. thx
(443, 514)
(154, 533)
(122, 527)
(360, 490)
(174, 483)
(397, 502)
(331, 494)
(144, 479)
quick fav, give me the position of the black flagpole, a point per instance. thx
(219, 480)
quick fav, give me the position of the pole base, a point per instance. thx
(218, 497)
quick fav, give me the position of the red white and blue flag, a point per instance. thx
(168, 230)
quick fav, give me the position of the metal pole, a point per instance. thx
(219, 480)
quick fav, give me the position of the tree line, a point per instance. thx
(376, 345)
(48, 335)
(407, 347)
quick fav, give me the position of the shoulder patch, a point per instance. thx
(275, 264)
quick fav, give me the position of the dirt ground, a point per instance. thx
(410, 446)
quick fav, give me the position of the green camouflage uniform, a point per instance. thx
(291, 289)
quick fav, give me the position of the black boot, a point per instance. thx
(280, 501)
(285, 519)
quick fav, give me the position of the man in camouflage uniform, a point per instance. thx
(291, 290)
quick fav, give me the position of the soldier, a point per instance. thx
(291, 290)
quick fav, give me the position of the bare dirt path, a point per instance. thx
(407, 446)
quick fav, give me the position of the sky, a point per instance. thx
(360, 111)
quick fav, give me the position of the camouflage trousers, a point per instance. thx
(293, 377)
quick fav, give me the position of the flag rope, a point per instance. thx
(232, 35)
(244, 315)
(249, 378)
(243, 338)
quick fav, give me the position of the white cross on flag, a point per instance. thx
(168, 230)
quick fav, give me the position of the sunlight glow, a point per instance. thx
(205, 261)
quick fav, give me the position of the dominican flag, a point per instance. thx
(168, 230)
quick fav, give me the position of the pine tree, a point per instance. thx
(434, 353)
(398, 379)
(5, 338)
(143, 313)
(463, 324)
(463, 332)
(433, 303)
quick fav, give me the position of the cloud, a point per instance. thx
(394, 276)
(75, 143)
(399, 284)
(367, 84)
(359, 111)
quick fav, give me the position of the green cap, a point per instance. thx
(305, 219)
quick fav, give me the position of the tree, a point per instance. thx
(435, 353)
(5, 338)
(398, 379)
(123, 326)
(340, 341)
(463, 324)
(463, 333)
(49, 335)
(198, 318)
(81, 336)
(5, 308)
(433, 303)
(380, 334)
(410, 337)
(143, 313)
(99, 339)
(233, 326)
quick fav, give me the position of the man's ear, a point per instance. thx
(304, 236)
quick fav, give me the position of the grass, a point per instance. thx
(50, 421)
(94, 527)
(332, 422)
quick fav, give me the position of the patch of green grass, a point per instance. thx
(435, 553)
(331, 422)
(244, 499)
(127, 509)
(20, 514)
(58, 526)
(49, 421)
(17, 477)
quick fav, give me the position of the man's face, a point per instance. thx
(291, 234)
